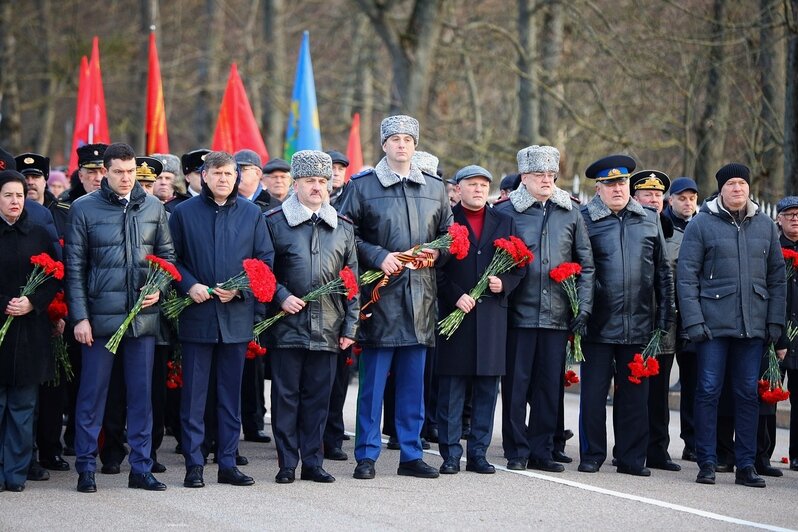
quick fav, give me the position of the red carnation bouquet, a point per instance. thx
(771, 389)
(44, 267)
(174, 374)
(160, 273)
(346, 283)
(254, 350)
(790, 261)
(510, 253)
(565, 275)
(256, 277)
(570, 378)
(57, 311)
(645, 364)
(455, 240)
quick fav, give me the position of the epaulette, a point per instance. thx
(361, 174)
(273, 211)
(345, 218)
(500, 201)
(63, 205)
(576, 200)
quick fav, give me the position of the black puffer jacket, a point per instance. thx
(307, 256)
(731, 275)
(629, 252)
(555, 234)
(106, 246)
(393, 216)
(25, 354)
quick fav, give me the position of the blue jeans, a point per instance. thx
(408, 365)
(743, 356)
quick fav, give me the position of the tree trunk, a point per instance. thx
(10, 119)
(276, 91)
(769, 172)
(791, 105)
(252, 53)
(209, 76)
(551, 43)
(711, 134)
(49, 84)
(527, 81)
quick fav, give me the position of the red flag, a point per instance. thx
(155, 128)
(98, 120)
(353, 149)
(236, 128)
(80, 132)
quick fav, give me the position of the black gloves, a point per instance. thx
(774, 333)
(579, 323)
(699, 333)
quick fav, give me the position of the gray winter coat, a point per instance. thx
(555, 234)
(731, 276)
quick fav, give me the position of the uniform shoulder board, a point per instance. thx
(500, 201)
(576, 200)
(274, 211)
(63, 205)
(361, 174)
(345, 218)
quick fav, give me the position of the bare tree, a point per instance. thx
(791, 103)
(10, 118)
(209, 74)
(551, 42)
(275, 93)
(528, 103)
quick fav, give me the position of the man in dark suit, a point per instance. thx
(474, 354)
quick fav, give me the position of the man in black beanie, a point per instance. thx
(732, 292)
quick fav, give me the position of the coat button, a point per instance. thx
(479, 252)
(479, 301)
(545, 291)
(717, 296)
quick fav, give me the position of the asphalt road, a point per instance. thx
(508, 500)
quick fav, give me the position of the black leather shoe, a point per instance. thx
(432, 435)
(54, 463)
(286, 475)
(393, 443)
(794, 464)
(769, 471)
(86, 483)
(545, 465)
(425, 444)
(144, 481)
(642, 472)
(724, 468)
(336, 453)
(15, 488)
(178, 449)
(480, 465)
(417, 468)
(240, 460)
(689, 455)
(516, 464)
(235, 477)
(258, 437)
(450, 466)
(346, 437)
(37, 472)
(2, 487)
(706, 475)
(567, 434)
(667, 465)
(365, 469)
(158, 467)
(316, 474)
(193, 477)
(111, 468)
(747, 477)
(69, 451)
(559, 456)
(614, 462)
(466, 431)
(588, 467)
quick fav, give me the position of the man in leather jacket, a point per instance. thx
(630, 256)
(313, 244)
(396, 207)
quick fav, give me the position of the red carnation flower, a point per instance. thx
(522, 255)
(166, 266)
(50, 266)
(564, 271)
(350, 282)
(460, 243)
(254, 350)
(57, 309)
(261, 279)
(571, 378)
(790, 255)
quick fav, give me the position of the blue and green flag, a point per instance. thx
(303, 132)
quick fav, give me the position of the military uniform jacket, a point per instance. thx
(390, 216)
(478, 345)
(307, 256)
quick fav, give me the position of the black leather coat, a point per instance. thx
(555, 234)
(791, 360)
(308, 255)
(393, 216)
(106, 246)
(629, 252)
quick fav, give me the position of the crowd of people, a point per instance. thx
(707, 286)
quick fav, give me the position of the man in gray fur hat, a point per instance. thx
(395, 207)
(313, 244)
(169, 180)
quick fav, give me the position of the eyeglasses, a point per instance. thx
(793, 216)
(544, 175)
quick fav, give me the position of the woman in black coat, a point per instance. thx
(25, 355)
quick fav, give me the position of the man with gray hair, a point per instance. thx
(540, 318)
(395, 207)
(313, 244)
(169, 181)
